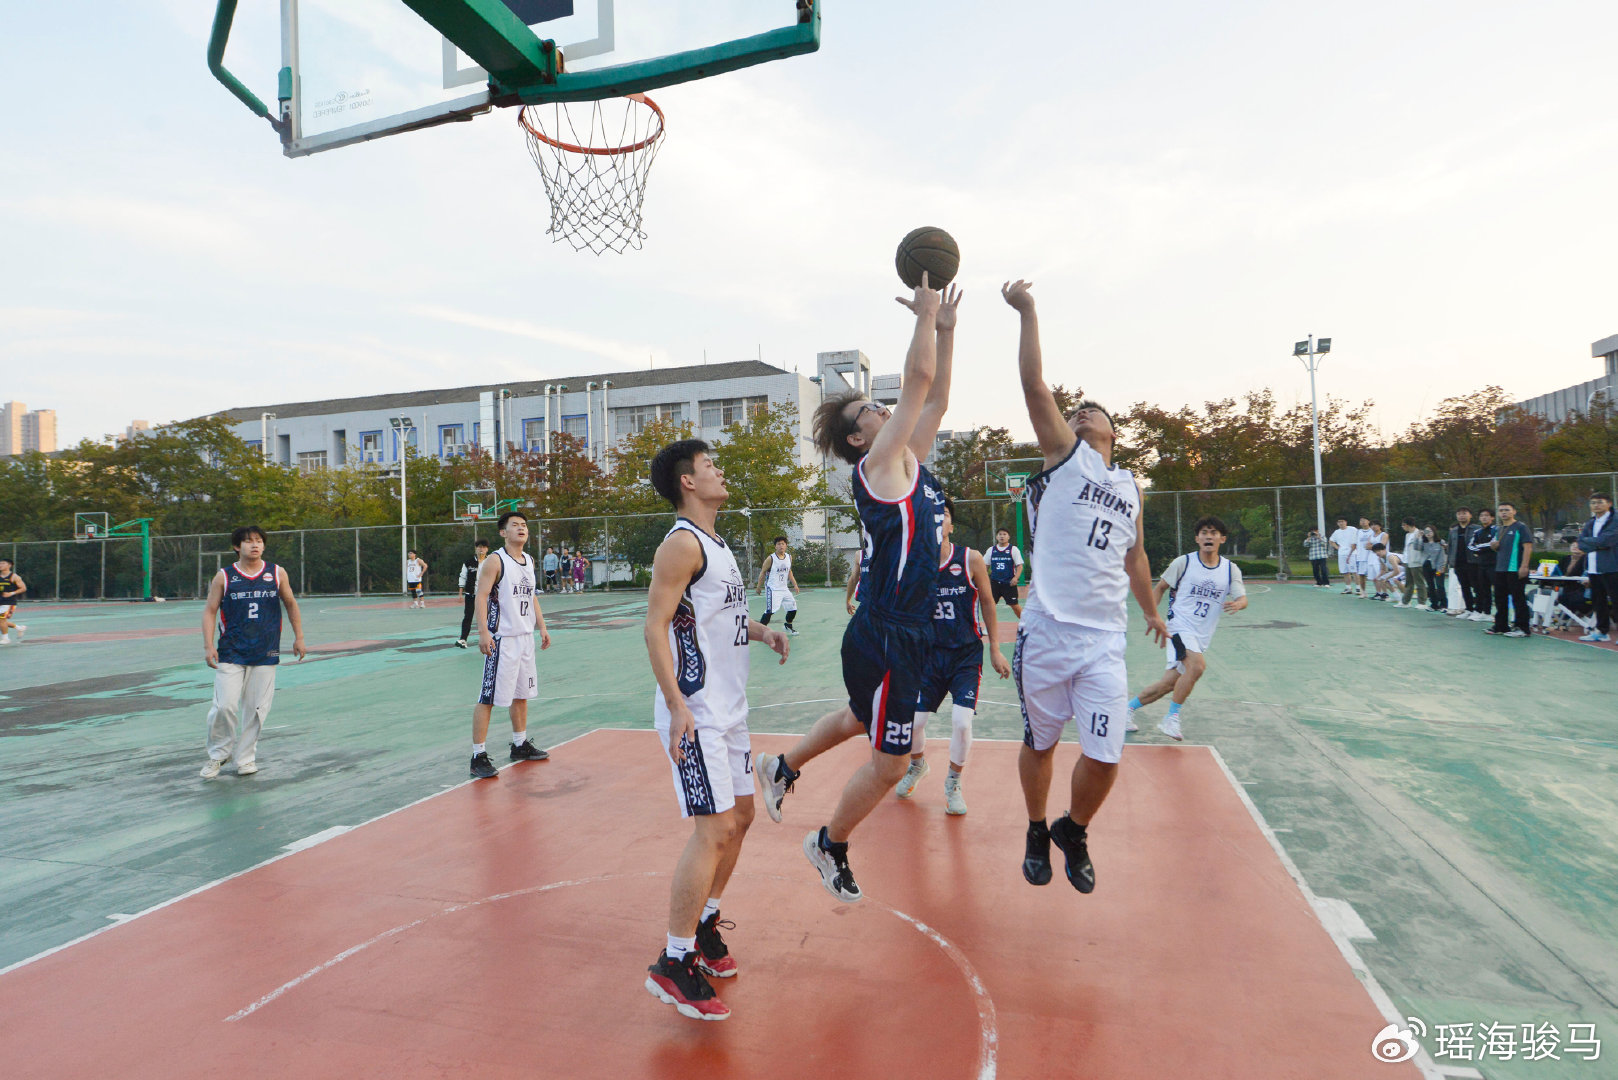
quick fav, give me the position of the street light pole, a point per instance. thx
(1310, 351)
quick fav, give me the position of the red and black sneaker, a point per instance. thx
(713, 955)
(679, 983)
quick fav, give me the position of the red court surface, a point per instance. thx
(502, 929)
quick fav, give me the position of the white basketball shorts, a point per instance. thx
(508, 672)
(1179, 643)
(1066, 672)
(779, 600)
(1345, 562)
(718, 766)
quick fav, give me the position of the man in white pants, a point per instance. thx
(1345, 542)
(245, 599)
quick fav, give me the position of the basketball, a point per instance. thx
(931, 249)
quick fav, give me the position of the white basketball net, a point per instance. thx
(594, 158)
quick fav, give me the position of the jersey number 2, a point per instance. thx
(252, 611)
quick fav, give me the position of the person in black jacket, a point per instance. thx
(1483, 560)
(1462, 563)
(469, 585)
(1599, 544)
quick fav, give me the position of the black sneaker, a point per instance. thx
(483, 768)
(679, 983)
(833, 866)
(1071, 839)
(1036, 860)
(713, 955)
(527, 751)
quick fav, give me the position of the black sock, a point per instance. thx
(1038, 828)
(783, 771)
(790, 616)
(766, 619)
(830, 848)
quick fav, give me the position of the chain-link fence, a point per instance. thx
(1267, 527)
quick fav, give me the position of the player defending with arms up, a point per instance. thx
(1201, 585)
(1069, 660)
(245, 599)
(697, 632)
(507, 608)
(888, 641)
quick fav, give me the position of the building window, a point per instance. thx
(533, 434)
(257, 446)
(412, 440)
(726, 411)
(371, 446)
(451, 440)
(579, 427)
(633, 419)
(311, 460)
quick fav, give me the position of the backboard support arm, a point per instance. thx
(224, 15)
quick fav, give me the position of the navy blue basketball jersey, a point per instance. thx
(1002, 564)
(955, 609)
(250, 615)
(901, 541)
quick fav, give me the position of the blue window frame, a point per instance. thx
(450, 437)
(533, 433)
(371, 446)
(578, 425)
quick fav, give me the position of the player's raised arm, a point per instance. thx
(885, 466)
(210, 618)
(979, 569)
(1051, 429)
(937, 403)
(283, 585)
(488, 574)
(679, 558)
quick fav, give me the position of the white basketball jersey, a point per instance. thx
(1081, 515)
(709, 637)
(413, 571)
(1197, 594)
(779, 569)
(511, 601)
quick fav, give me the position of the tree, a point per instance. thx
(1587, 443)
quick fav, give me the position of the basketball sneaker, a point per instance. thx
(527, 751)
(775, 782)
(1129, 722)
(679, 983)
(1170, 726)
(1036, 860)
(19, 629)
(5, 639)
(912, 777)
(460, 643)
(1070, 837)
(1516, 631)
(211, 770)
(954, 801)
(246, 768)
(793, 630)
(483, 768)
(713, 955)
(832, 862)
(1594, 635)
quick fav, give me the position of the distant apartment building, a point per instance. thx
(22, 430)
(1557, 405)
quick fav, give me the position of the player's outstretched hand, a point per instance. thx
(997, 659)
(926, 300)
(682, 729)
(298, 648)
(949, 308)
(1157, 627)
(1231, 607)
(544, 639)
(1018, 296)
(778, 641)
(211, 655)
(485, 641)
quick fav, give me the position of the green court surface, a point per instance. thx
(1451, 791)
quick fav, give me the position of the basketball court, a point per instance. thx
(1334, 856)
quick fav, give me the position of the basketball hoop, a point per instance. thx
(595, 179)
(1016, 485)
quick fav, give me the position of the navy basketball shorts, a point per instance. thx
(883, 662)
(956, 672)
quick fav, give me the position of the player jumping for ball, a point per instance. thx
(1201, 585)
(889, 640)
(1069, 660)
(697, 633)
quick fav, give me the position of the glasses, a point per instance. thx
(874, 406)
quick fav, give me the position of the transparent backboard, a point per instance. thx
(360, 69)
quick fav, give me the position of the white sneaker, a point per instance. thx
(1594, 635)
(19, 629)
(247, 768)
(954, 803)
(793, 630)
(1129, 722)
(912, 777)
(1170, 726)
(5, 639)
(211, 770)
(1478, 616)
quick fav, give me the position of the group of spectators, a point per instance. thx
(566, 572)
(1486, 563)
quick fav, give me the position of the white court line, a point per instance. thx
(1379, 996)
(124, 920)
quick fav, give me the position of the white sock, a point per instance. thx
(478, 748)
(679, 947)
(960, 736)
(518, 738)
(918, 732)
(711, 907)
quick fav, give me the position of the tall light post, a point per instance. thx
(1310, 351)
(402, 426)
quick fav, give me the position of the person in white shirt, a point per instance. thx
(1374, 563)
(777, 583)
(1201, 586)
(1390, 573)
(1345, 541)
(416, 579)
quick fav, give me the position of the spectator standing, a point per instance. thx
(1463, 563)
(1434, 563)
(467, 583)
(1344, 542)
(549, 565)
(1513, 547)
(1482, 548)
(1415, 558)
(1318, 548)
(1598, 542)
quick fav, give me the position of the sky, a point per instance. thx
(1191, 188)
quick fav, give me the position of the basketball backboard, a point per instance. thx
(353, 70)
(1009, 476)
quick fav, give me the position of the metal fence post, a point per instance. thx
(58, 569)
(103, 594)
(1384, 506)
(606, 533)
(825, 513)
(994, 522)
(356, 562)
(1496, 505)
(303, 583)
(1179, 544)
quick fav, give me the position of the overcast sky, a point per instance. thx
(1191, 186)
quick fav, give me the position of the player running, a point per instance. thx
(245, 600)
(697, 633)
(887, 642)
(1201, 586)
(963, 619)
(508, 614)
(1005, 570)
(775, 580)
(12, 588)
(1069, 660)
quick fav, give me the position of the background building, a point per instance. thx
(22, 431)
(1577, 399)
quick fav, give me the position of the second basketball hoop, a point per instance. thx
(594, 158)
